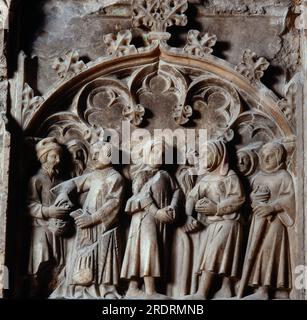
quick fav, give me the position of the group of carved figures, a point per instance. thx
(191, 236)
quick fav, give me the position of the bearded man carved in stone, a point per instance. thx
(153, 205)
(217, 199)
(48, 218)
(267, 265)
(94, 267)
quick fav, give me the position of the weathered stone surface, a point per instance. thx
(96, 73)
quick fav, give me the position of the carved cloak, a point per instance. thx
(220, 251)
(267, 259)
(45, 246)
(95, 259)
(146, 239)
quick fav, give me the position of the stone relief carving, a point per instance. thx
(267, 266)
(104, 94)
(159, 15)
(29, 103)
(120, 43)
(68, 64)
(217, 199)
(202, 206)
(198, 44)
(252, 67)
(244, 7)
(48, 220)
(95, 262)
(153, 206)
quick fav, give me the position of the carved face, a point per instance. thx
(53, 159)
(101, 155)
(269, 160)
(51, 162)
(192, 157)
(79, 159)
(244, 162)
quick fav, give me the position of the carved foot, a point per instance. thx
(135, 294)
(258, 295)
(223, 293)
(281, 295)
(109, 292)
(157, 296)
(193, 297)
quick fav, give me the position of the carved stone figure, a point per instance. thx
(247, 161)
(267, 265)
(217, 199)
(94, 268)
(48, 218)
(79, 156)
(152, 206)
(127, 84)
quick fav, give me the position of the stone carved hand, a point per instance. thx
(84, 221)
(206, 206)
(165, 215)
(191, 225)
(261, 194)
(56, 212)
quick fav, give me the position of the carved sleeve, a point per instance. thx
(34, 199)
(176, 194)
(284, 204)
(80, 184)
(234, 196)
(108, 213)
(192, 198)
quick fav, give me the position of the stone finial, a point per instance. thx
(199, 44)
(119, 44)
(158, 15)
(30, 102)
(68, 64)
(252, 67)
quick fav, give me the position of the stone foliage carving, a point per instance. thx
(252, 67)
(198, 44)
(158, 15)
(68, 64)
(119, 44)
(29, 103)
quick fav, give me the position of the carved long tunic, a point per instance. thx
(46, 247)
(267, 261)
(96, 258)
(145, 246)
(220, 251)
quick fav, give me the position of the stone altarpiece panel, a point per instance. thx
(99, 217)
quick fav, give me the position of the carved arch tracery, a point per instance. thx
(204, 92)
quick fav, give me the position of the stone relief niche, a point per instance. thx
(221, 225)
